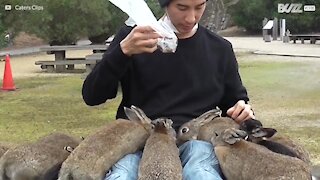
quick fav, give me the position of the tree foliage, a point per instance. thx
(250, 13)
(2, 33)
(155, 8)
(65, 21)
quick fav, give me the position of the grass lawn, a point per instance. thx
(43, 105)
(284, 95)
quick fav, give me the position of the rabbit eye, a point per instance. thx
(216, 133)
(185, 130)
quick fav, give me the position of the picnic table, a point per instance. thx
(63, 64)
(312, 37)
(95, 57)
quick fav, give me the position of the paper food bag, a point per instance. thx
(141, 14)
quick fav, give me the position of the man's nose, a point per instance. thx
(191, 17)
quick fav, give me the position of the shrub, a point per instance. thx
(250, 13)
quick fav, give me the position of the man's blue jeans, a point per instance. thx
(197, 157)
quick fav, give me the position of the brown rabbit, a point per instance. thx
(3, 149)
(301, 152)
(99, 151)
(243, 160)
(204, 126)
(160, 159)
(268, 138)
(36, 161)
(190, 130)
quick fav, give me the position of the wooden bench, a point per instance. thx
(62, 64)
(94, 56)
(50, 65)
(312, 37)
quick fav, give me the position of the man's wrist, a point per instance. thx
(124, 49)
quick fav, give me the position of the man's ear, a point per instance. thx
(264, 132)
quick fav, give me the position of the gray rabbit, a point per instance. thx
(243, 160)
(36, 161)
(3, 149)
(99, 151)
(160, 159)
(203, 127)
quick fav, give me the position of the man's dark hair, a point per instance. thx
(164, 3)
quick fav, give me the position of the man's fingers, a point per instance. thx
(240, 112)
(145, 32)
(244, 115)
(147, 43)
(230, 111)
(238, 109)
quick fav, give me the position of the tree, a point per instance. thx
(155, 8)
(250, 13)
(2, 33)
(216, 15)
(65, 21)
(102, 19)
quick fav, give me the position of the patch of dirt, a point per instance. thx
(24, 40)
(233, 31)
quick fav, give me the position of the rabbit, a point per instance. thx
(190, 130)
(279, 144)
(296, 147)
(244, 160)
(3, 149)
(98, 152)
(259, 135)
(160, 159)
(202, 127)
(40, 160)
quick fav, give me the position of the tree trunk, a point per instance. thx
(215, 17)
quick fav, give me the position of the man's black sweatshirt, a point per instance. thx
(200, 75)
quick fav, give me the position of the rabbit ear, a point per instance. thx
(130, 114)
(232, 135)
(208, 116)
(136, 114)
(264, 132)
(168, 123)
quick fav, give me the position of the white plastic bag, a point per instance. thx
(141, 14)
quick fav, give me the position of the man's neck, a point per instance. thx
(186, 35)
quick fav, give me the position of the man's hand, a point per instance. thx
(142, 39)
(240, 112)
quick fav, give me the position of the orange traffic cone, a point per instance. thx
(7, 84)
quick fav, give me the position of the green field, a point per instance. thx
(284, 95)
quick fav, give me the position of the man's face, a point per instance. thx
(184, 14)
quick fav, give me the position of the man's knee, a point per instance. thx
(199, 161)
(126, 168)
